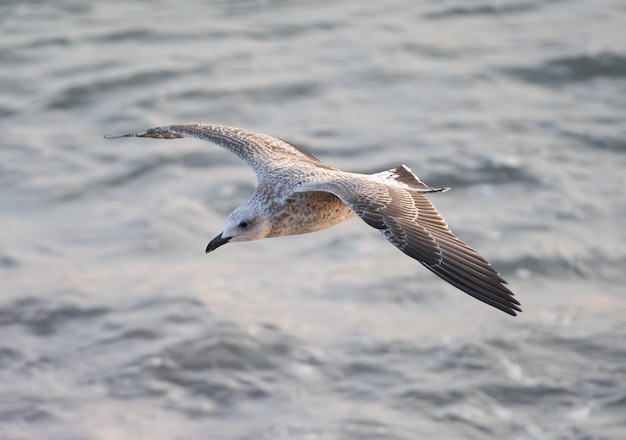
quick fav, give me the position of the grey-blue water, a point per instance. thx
(114, 324)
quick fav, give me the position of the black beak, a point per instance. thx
(217, 242)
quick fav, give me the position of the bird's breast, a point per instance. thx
(307, 212)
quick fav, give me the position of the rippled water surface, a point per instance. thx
(114, 324)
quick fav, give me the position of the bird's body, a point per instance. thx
(301, 213)
(297, 193)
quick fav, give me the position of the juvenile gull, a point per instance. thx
(298, 193)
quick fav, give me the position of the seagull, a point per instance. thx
(297, 193)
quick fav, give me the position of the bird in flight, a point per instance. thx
(297, 193)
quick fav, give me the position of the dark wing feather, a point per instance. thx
(409, 221)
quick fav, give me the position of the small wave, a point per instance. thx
(401, 290)
(421, 397)
(573, 69)
(6, 112)
(524, 394)
(137, 170)
(10, 358)
(593, 265)
(134, 35)
(224, 348)
(432, 51)
(485, 171)
(25, 408)
(275, 92)
(9, 262)
(81, 95)
(39, 43)
(141, 168)
(272, 92)
(43, 317)
(204, 94)
(216, 367)
(607, 143)
(546, 266)
(484, 9)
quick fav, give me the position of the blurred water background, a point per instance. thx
(114, 324)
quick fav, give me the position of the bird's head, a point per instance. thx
(243, 224)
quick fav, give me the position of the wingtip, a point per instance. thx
(514, 308)
(165, 132)
(515, 312)
(118, 136)
(429, 190)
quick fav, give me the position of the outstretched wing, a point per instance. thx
(409, 221)
(260, 152)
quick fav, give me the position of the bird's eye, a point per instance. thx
(243, 224)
